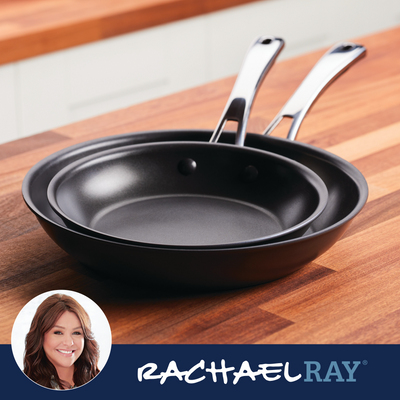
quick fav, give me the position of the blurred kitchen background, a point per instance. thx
(57, 88)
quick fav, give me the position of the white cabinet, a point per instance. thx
(55, 89)
(8, 104)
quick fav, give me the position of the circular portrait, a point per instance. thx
(61, 340)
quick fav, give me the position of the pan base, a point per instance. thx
(182, 220)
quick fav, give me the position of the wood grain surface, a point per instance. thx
(350, 294)
(33, 27)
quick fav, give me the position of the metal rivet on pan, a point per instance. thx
(187, 166)
(250, 173)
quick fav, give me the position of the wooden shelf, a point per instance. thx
(30, 28)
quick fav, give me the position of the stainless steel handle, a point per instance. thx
(332, 64)
(258, 61)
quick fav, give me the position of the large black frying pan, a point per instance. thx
(194, 195)
(206, 269)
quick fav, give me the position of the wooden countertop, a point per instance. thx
(357, 118)
(33, 27)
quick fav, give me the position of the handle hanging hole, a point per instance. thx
(347, 47)
(266, 41)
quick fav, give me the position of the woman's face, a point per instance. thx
(64, 342)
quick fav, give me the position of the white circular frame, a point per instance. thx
(100, 326)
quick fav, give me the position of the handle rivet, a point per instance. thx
(187, 166)
(250, 173)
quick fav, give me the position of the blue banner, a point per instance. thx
(229, 372)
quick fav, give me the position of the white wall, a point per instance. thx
(48, 91)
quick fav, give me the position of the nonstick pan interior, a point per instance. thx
(203, 269)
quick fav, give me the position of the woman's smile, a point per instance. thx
(66, 352)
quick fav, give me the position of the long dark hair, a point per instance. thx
(36, 364)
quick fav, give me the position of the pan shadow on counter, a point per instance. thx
(147, 315)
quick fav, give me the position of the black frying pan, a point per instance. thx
(205, 269)
(194, 195)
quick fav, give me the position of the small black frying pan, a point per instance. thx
(194, 195)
